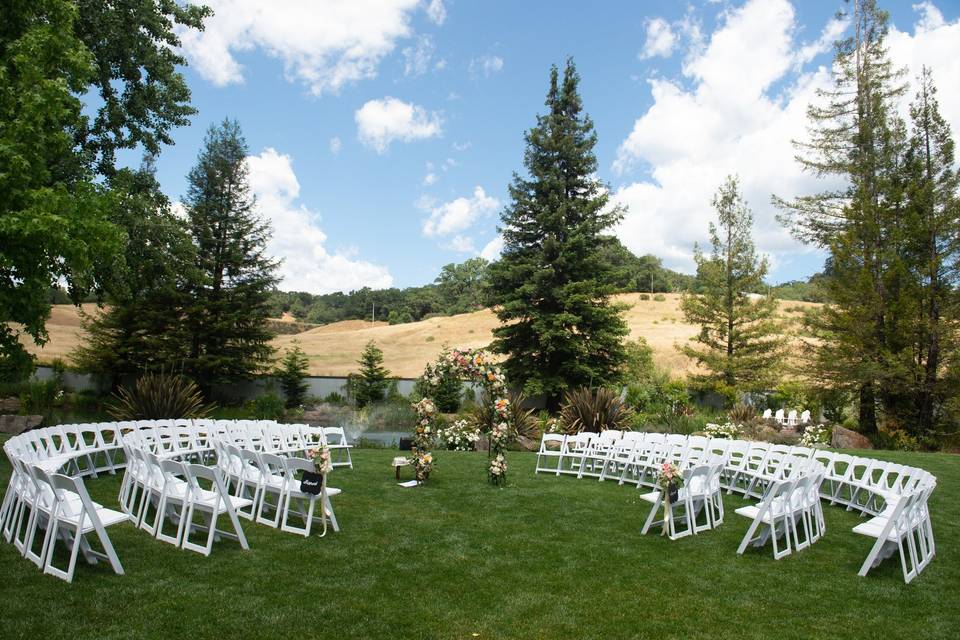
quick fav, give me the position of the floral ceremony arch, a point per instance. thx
(477, 366)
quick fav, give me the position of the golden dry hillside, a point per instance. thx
(333, 349)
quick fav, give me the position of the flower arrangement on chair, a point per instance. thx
(669, 481)
(323, 463)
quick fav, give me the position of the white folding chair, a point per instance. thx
(77, 515)
(211, 502)
(551, 448)
(772, 517)
(292, 491)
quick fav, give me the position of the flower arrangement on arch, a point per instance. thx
(423, 434)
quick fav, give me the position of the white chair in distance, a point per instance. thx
(336, 439)
(767, 414)
(805, 416)
(792, 418)
(779, 417)
(551, 449)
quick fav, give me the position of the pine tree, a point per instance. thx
(738, 341)
(229, 338)
(857, 137)
(371, 383)
(933, 251)
(551, 286)
(142, 328)
(294, 367)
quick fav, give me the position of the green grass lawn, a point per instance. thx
(545, 557)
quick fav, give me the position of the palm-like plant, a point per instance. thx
(523, 421)
(159, 395)
(597, 410)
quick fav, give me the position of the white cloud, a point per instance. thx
(461, 146)
(462, 244)
(380, 122)
(323, 45)
(486, 65)
(459, 214)
(429, 179)
(436, 12)
(491, 251)
(307, 264)
(660, 39)
(416, 59)
(741, 100)
(335, 145)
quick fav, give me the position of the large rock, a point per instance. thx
(15, 425)
(846, 439)
(528, 444)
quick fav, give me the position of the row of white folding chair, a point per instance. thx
(165, 489)
(789, 514)
(866, 484)
(84, 449)
(46, 508)
(700, 498)
(903, 527)
(269, 482)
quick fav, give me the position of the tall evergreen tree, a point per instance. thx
(933, 251)
(856, 136)
(371, 383)
(551, 286)
(142, 327)
(226, 318)
(739, 345)
(293, 369)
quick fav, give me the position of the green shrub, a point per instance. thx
(523, 420)
(268, 406)
(159, 395)
(659, 297)
(644, 296)
(591, 410)
(39, 398)
(335, 398)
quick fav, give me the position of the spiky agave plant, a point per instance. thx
(597, 410)
(522, 420)
(742, 413)
(159, 395)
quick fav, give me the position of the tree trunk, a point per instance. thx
(868, 409)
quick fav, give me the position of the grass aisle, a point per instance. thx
(545, 557)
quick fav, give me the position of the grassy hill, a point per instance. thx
(334, 348)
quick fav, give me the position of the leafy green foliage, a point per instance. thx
(53, 222)
(373, 379)
(229, 299)
(266, 406)
(523, 421)
(135, 49)
(594, 410)
(737, 344)
(293, 369)
(551, 286)
(159, 395)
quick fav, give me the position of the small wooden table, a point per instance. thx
(400, 462)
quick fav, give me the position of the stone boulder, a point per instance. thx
(528, 444)
(846, 439)
(15, 425)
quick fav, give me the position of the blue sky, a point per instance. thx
(383, 134)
